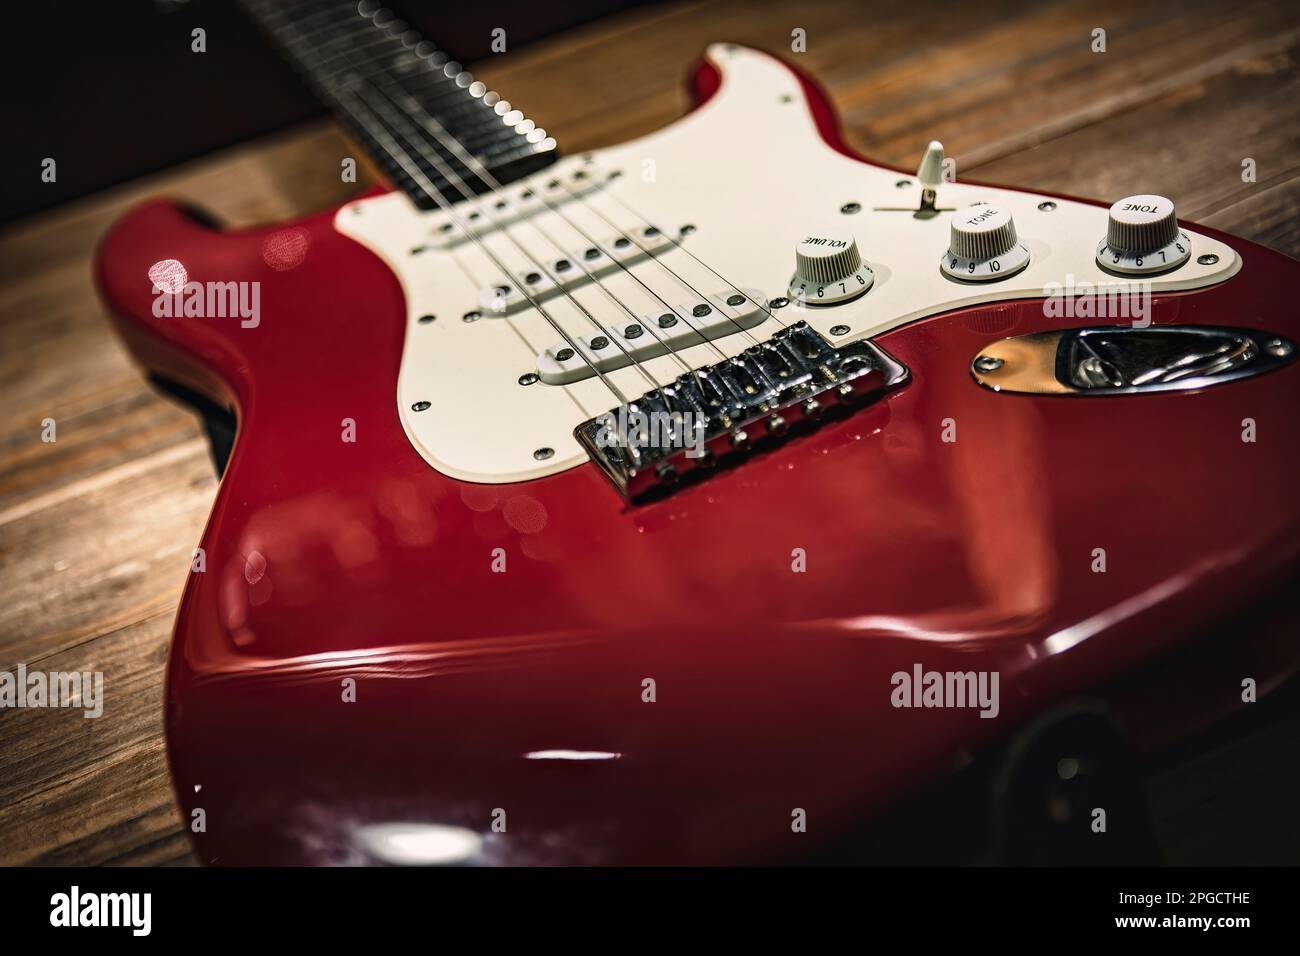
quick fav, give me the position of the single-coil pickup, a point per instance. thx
(478, 218)
(616, 346)
(549, 278)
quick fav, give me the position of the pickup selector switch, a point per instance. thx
(1142, 237)
(983, 245)
(828, 269)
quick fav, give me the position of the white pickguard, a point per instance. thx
(751, 173)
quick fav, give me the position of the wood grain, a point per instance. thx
(96, 528)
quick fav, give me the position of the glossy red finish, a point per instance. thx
(328, 560)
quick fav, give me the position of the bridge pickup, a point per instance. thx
(579, 267)
(785, 384)
(487, 214)
(651, 335)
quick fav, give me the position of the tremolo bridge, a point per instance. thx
(784, 384)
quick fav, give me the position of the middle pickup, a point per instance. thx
(636, 340)
(547, 279)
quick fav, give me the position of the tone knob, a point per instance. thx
(828, 269)
(1142, 237)
(983, 245)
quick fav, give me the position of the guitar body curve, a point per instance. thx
(373, 641)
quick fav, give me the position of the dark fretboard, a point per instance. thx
(422, 118)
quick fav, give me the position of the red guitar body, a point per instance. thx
(476, 692)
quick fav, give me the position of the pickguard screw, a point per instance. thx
(1047, 205)
(1278, 348)
(543, 453)
(416, 250)
(419, 406)
(787, 98)
(849, 208)
(988, 363)
(780, 302)
(528, 378)
(471, 316)
(902, 184)
(426, 319)
(839, 330)
(1208, 259)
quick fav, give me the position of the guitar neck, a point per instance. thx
(436, 132)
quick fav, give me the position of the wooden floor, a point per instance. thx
(96, 528)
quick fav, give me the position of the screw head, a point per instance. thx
(543, 453)
(1278, 348)
(780, 302)
(686, 230)
(902, 184)
(419, 406)
(426, 319)
(1047, 205)
(528, 378)
(839, 330)
(988, 363)
(1208, 259)
(849, 208)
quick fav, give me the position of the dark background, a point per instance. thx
(110, 89)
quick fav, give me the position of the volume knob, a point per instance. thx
(828, 269)
(983, 245)
(1142, 237)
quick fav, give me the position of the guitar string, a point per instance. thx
(480, 170)
(390, 146)
(489, 180)
(452, 145)
(455, 179)
(654, 384)
(451, 176)
(428, 187)
(469, 195)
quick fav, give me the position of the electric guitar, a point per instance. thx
(640, 506)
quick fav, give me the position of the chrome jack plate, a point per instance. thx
(1121, 360)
